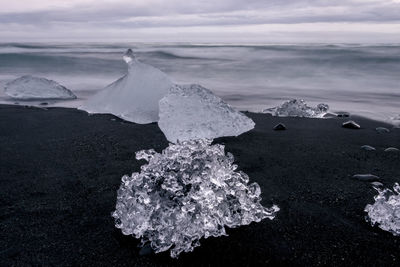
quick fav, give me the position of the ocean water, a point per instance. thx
(360, 79)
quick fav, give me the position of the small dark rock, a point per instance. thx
(368, 148)
(280, 127)
(343, 114)
(382, 130)
(366, 177)
(377, 184)
(44, 104)
(392, 149)
(351, 125)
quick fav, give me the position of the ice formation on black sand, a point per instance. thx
(298, 108)
(192, 112)
(135, 96)
(189, 191)
(32, 88)
(385, 212)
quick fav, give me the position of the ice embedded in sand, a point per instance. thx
(189, 191)
(385, 212)
(298, 108)
(33, 88)
(191, 112)
(135, 96)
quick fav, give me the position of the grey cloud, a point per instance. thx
(214, 13)
(177, 14)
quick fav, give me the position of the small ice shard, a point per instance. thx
(329, 115)
(135, 96)
(368, 148)
(298, 108)
(366, 177)
(189, 191)
(382, 130)
(129, 57)
(191, 112)
(385, 212)
(395, 121)
(391, 149)
(280, 127)
(33, 88)
(351, 125)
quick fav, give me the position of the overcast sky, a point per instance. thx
(239, 21)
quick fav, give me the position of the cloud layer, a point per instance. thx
(201, 20)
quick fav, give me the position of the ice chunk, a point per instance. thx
(385, 212)
(129, 57)
(32, 88)
(192, 112)
(298, 108)
(135, 96)
(189, 191)
(395, 121)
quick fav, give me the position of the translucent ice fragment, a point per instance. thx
(385, 212)
(129, 57)
(298, 108)
(34, 88)
(192, 112)
(135, 96)
(396, 121)
(189, 191)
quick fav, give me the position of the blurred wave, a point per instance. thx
(362, 79)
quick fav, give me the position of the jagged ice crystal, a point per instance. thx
(298, 108)
(385, 212)
(189, 191)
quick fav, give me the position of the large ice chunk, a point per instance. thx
(32, 88)
(298, 108)
(189, 191)
(385, 212)
(135, 96)
(193, 112)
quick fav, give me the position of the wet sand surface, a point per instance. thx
(60, 170)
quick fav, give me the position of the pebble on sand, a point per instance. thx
(392, 149)
(377, 184)
(280, 127)
(366, 177)
(343, 114)
(351, 125)
(368, 148)
(382, 130)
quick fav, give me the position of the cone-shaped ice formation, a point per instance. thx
(135, 96)
(33, 88)
(189, 191)
(191, 112)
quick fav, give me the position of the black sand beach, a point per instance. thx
(60, 170)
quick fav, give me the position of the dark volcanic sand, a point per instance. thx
(60, 169)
